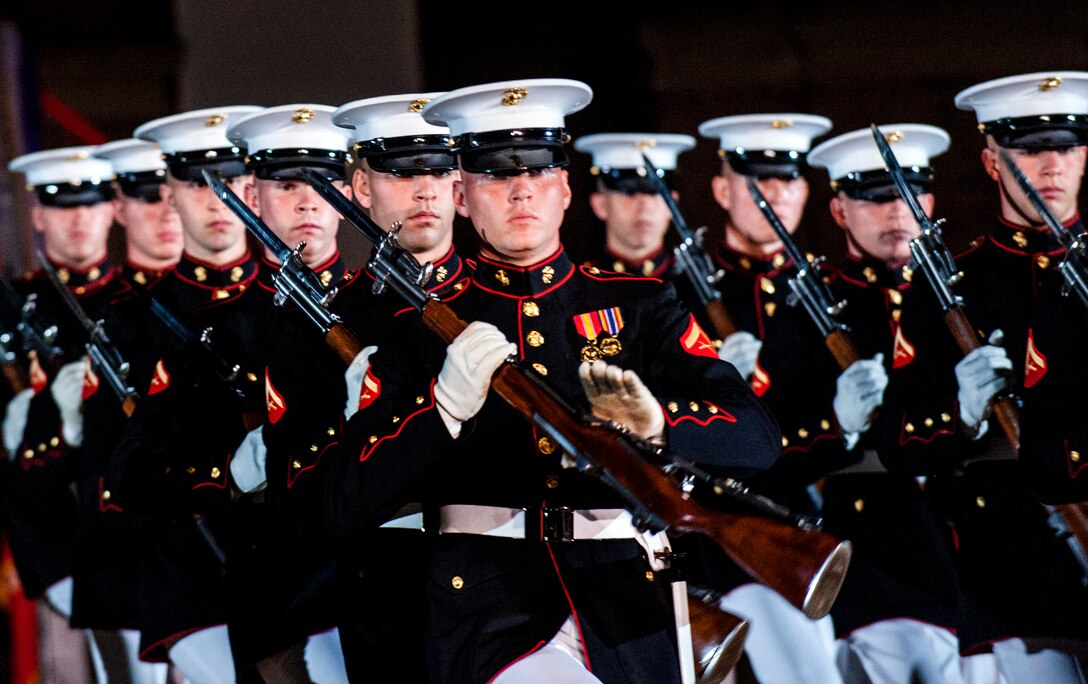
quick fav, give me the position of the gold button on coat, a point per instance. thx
(457, 582)
(534, 338)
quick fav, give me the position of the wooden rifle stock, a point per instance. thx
(344, 342)
(723, 323)
(842, 348)
(806, 567)
(717, 638)
(15, 375)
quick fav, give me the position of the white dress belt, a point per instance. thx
(559, 524)
(410, 517)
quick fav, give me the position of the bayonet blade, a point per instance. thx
(658, 182)
(784, 236)
(252, 222)
(1036, 200)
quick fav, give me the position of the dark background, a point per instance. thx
(664, 69)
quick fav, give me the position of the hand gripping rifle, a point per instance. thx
(808, 288)
(802, 564)
(692, 259)
(104, 355)
(294, 280)
(1074, 265)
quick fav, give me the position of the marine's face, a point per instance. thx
(210, 228)
(1055, 173)
(74, 236)
(294, 211)
(516, 216)
(634, 223)
(879, 230)
(423, 204)
(152, 229)
(787, 196)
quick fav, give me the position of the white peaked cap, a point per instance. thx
(856, 151)
(288, 126)
(201, 129)
(73, 165)
(390, 116)
(528, 103)
(1040, 93)
(132, 155)
(783, 132)
(624, 150)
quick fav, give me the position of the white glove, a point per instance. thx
(741, 349)
(67, 391)
(859, 391)
(353, 377)
(247, 466)
(471, 359)
(979, 378)
(15, 420)
(620, 396)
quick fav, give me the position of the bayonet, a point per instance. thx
(808, 288)
(692, 259)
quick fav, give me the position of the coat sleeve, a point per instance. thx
(711, 413)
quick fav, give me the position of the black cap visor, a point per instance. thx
(1044, 132)
(67, 195)
(409, 155)
(288, 164)
(787, 164)
(878, 186)
(513, 151)
(142, 185)
(633, 181)
(226, 162)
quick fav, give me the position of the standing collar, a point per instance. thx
(144, 277)
(88, 280)
(654, 266)
(329, 273)
(225, 280)
(870, 272)
(523, 281)
(735, 261)
(1030, 240)
(447, 271)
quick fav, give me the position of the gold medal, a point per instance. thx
(590, 353)
(610, 346)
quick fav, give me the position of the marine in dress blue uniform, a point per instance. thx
(503, 594)
(897, 614)
(636, 218)
(779, 350)
(172, 461)
(72, 212)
